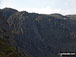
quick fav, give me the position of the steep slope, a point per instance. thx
(37, 35)
(7, 50)
(43, 35)
(58, 33)
(4, 26)
(7, 12)
(23, 26)
(6, 40)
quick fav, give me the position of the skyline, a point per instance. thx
(42, 6)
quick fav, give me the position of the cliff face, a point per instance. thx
(6, 49)
(4, 26)
(43, 35)
(7, 12)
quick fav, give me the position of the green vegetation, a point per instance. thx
(6, 50)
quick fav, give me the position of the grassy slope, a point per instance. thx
(6, 50)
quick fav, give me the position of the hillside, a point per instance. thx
(41, 35)
(7, 12)
(7, 49)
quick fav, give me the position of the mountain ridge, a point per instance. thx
(42, 35)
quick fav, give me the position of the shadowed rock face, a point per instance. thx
(4, 27)
(43, 35)
(7, 12)
(7, 43)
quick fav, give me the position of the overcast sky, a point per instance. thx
(42, 6)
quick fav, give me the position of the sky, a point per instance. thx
(64, 7)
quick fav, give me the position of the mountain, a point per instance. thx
(6, 50)
(41, 35)
(4, 26)
(59, 16)
(7, 12)
(7, 47)
(71, 16)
